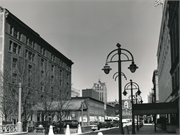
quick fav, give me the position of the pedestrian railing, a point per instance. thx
(9, 128)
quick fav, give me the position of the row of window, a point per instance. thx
(29, 55)
(15, 48)
(43, 51)
(15, 68)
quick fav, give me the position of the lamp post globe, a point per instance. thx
(138, 92)
(132, 67)
(107, 69)
(124, 93)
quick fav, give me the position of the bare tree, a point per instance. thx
(20, 72)
(40, 85)
(55, 95)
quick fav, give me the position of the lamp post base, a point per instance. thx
(19, 126)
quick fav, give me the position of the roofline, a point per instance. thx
(87, 98)
(38, 37)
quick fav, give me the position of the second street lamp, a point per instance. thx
(132, 86)
(120, 51)
(138, 99)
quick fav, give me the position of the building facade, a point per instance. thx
(75, 92)
(155, 87)
(173, 25)
(90, 93)
(164, 57)
(95, 111)
(168, 57)
(126, 108)
(27, 59)
(100, 87)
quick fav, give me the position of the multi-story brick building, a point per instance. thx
(168, 57)
(23, 51)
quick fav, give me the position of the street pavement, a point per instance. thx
(145, 129)
(149, 129)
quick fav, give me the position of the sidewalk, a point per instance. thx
(149, 129)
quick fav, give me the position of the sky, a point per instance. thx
(86, 31)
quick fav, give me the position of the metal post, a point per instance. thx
(19, 123)
(137, 116)
(120, 97)
(133, 126)
(82, 114)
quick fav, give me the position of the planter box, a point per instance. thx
(170, 128)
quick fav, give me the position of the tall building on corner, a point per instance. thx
(27, 59)
(100, 87)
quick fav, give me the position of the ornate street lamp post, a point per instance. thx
(138, 99)
(107, 69)
(132, 86)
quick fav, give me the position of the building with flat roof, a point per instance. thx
(101, 88)
(27, 59)
(90, 93)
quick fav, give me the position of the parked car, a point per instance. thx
(58, 127)
(109, 123)
(115, 123)
(94, 126)
(71, 123)
(102, 125)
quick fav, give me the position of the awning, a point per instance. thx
(155, 108)
(68, 105)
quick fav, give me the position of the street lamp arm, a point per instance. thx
(126, 57)
(129, 53)
(111, 60)
(111, 57)
(126, 85)
(135, 84)
(130, 88)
